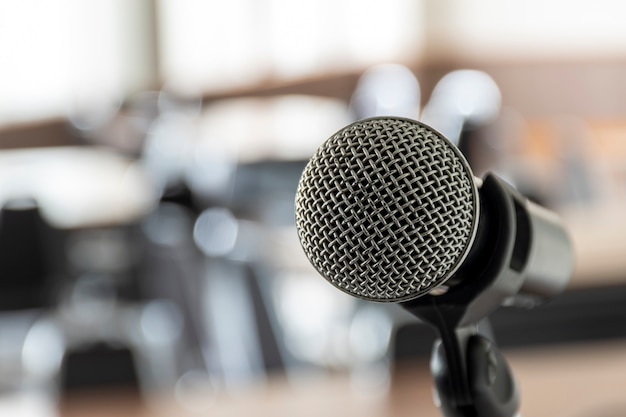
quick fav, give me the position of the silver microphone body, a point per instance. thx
(388, 210)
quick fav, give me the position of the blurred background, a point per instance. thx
(150, 152)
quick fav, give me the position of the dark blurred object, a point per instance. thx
(53, 132)
(30, 252)
(99, 365)
(265, 190)
(71, 272)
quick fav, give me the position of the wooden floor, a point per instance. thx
(575, 381)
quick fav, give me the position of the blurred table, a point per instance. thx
(77, 187)
(572, 381)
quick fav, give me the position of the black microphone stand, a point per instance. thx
(471, 376)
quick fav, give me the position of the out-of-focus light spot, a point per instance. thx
(169, 225)
(372, 381)
(215, 232)
(370, 333)
(161, 323)
(43, 349)
(167, 148)
(210, 172)
(387, 90)
(93, 298)
(100, 250)
(462, 98)
(195, 391)
(316, 318)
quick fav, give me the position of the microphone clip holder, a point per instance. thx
(492, 388)
(471, 376)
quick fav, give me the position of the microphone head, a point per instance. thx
(387, 209)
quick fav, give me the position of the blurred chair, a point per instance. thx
(242, 173)
(199, 234)
(29, 266)
(29, 249)
(68, 263)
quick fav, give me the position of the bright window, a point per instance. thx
(60, 55)
(213, 45)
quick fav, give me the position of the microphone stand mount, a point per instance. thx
(471, 376)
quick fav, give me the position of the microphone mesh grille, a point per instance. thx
(386, 209)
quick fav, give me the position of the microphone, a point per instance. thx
(388, 210)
